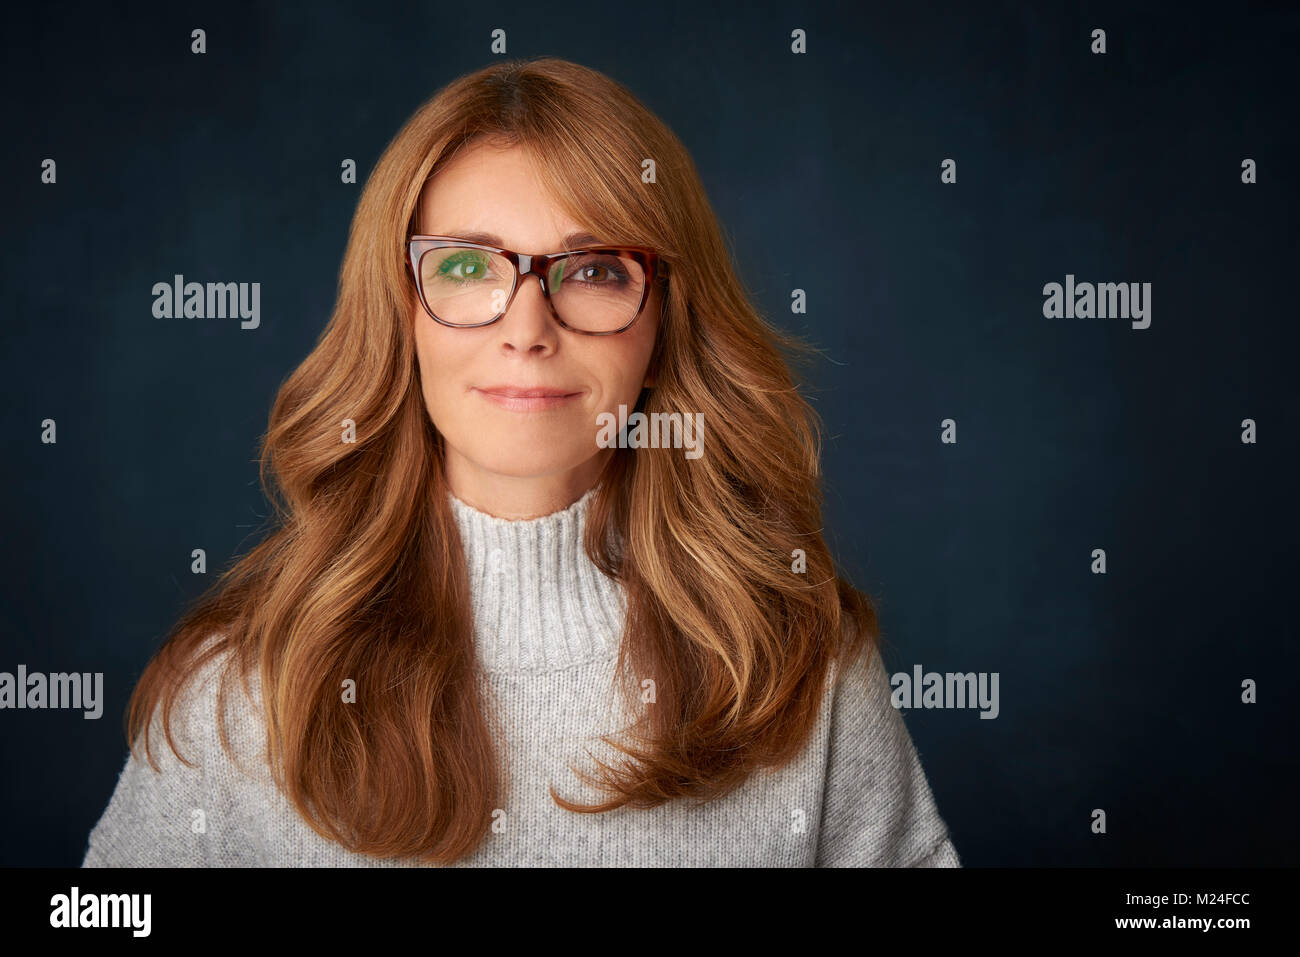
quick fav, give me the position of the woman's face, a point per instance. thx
(514, 459)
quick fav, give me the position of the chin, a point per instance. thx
(526, 463)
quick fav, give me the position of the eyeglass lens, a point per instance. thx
(592, 292)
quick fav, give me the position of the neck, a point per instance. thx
(520, 497)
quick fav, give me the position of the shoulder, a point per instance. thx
(858, 694)
(214, 722)
(878, 808)
(165, 798)
(221, 702)
(195, 712)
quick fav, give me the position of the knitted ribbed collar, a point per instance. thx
(539, 602)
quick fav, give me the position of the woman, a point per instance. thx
(485, 634)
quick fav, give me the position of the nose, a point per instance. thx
(528, 325)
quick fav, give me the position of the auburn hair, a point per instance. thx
(362, 575)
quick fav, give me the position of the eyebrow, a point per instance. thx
(571, 241)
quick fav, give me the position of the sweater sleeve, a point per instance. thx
(156, 818)
(877, 808)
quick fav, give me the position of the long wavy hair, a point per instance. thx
(363, 577)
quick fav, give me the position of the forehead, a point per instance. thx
(488, 188)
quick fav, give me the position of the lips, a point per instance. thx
(528, 398)
(514, 392)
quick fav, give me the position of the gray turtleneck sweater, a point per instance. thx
(547, 626)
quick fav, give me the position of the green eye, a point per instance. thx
(463, 267)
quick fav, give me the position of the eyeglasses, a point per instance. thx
(597, 291)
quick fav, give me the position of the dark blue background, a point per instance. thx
(1119, 692)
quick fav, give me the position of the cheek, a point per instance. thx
(436, 353)
(630, 353)
(618, 369)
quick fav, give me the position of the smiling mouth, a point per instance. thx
(527, 400)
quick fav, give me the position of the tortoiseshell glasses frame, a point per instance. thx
(652, 266)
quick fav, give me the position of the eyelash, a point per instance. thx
(617, 270)
(451, 262)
